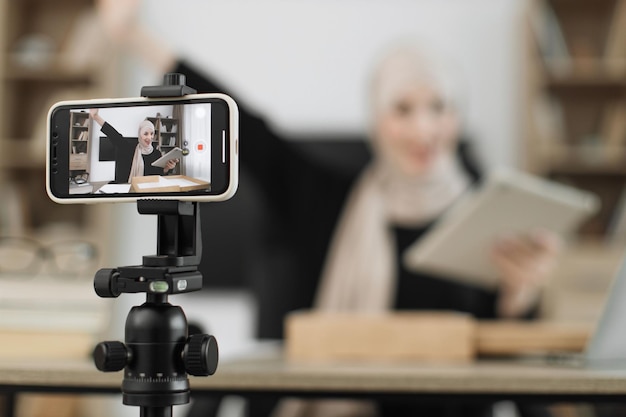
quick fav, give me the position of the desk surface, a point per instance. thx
(270, 374)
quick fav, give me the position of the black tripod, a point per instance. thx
(158, 353)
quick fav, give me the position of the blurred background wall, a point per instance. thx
(306, 64)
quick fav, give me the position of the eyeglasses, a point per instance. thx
(27, 257)
(80, 178)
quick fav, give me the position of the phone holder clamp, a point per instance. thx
(173, 86)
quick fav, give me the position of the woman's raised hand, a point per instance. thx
(118, 18)
(93, 114)
(123, 27)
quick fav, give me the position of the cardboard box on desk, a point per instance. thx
(424, 336)
(509, 338)
(167, 184)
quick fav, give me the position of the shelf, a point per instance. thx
(51, 73)
(585, 68)
(13, 155)
(564, 168)
(570, 4)
(585, 26)
(585, 160)
(584, 86)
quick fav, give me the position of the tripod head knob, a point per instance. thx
(105, 283)
(110, 356)
(200, 355)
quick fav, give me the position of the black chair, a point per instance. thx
(236, 252)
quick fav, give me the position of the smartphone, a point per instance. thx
(118, 150)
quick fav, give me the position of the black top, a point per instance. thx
(305, 200)
(124, 153)
(429, 292)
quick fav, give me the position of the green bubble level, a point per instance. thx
(159, 286)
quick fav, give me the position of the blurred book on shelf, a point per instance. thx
(613, 124)
(49, 317)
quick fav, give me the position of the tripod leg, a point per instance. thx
(7, 404)
(155, 411)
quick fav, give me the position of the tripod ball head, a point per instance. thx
(157, 355)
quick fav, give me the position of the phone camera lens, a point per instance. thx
(55, 171)
(55, 135)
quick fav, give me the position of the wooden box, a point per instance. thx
(422, 336)
(509, 338)
(167, 184)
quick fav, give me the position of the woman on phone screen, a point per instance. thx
(133, 160)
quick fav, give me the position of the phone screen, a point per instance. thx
(140, 149)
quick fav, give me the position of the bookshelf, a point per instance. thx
(168, 134)
(79, 143)
(575, 132)
(576, 100)
(51, 51)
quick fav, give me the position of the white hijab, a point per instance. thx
(360, 270)
(137, 166)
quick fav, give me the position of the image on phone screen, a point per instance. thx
(141, 149)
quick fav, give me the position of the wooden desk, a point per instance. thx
(269, 374)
